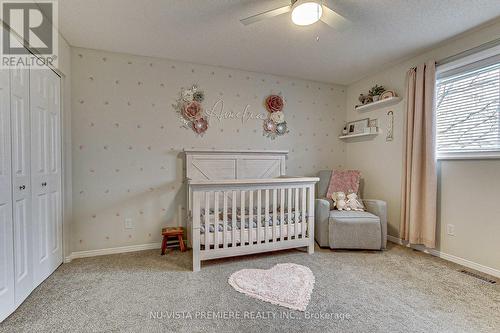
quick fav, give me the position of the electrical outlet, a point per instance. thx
(128, 223)
(450, 229)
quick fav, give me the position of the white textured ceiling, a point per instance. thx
(209, 32)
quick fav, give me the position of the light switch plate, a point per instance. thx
(450, 229)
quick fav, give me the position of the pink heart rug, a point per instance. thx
(289, 285)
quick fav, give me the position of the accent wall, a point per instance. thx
(127, 140)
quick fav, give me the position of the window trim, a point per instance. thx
(467, 60)
(478, 59)
(469, 155)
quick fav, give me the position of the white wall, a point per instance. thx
(469, 190)
(127, 140)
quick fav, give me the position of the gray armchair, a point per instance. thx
(349, 229)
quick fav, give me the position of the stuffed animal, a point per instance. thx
(365, 99)
(353, 203)
(339, 200)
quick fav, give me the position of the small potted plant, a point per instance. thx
(375, 92)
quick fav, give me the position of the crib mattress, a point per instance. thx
(268, 220)
(252, 234)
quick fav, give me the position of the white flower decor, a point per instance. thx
(187, 95)
(278, 117)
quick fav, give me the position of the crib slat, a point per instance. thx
(266, 216)
(216, 219)
(282, 212)
(196, 230)
(310, 219)
(305, 227)
(289, 206)
(242, 223)
(259, 214)
(233, 212)
(297, 213)
(275, 216)
(307, 231)
(251, 229)
(224, 219)
(304, 211)
(207, 221)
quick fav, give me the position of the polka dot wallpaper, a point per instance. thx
(128, 141)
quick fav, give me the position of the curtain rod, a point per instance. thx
(468, 52)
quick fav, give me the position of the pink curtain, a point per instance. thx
(419, 184)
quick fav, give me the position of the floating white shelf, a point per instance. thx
(357, 135)
(378, 104)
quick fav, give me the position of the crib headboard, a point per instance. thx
(209, 164)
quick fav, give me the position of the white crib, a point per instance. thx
(240, 203)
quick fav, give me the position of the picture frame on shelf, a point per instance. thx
(357, 126)
(373, 123)
(388, 94)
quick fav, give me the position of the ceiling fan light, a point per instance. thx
(306, 13)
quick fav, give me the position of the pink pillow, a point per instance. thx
(346, 181)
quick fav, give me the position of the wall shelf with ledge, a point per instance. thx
(378, 104)
(343, 137)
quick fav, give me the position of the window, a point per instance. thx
(468, 109)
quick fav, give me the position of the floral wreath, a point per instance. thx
(188, 107)
(275, 124)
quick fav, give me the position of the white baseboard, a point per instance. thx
(449, 257)
(112, 250)
(153, 246)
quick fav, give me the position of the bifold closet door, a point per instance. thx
(45, 172)
(7, 296)
(21, 186)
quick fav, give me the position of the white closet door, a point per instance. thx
(45, 172)
(20, 135)
(7, 296)
(55, 172)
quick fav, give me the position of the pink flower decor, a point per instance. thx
(192, 110)
(274, 103)
(269, 126)
(200, 125)
(275, 125)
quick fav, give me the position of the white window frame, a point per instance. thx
(465, 61)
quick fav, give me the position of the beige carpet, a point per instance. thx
(398, 290)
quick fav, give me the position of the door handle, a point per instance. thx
(22, 187)
(44, 184)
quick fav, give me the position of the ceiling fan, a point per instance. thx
(304, 12)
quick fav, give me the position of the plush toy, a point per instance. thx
(353, 203)
(365, 99)
(339, 200)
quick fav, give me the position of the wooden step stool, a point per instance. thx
(176, 232)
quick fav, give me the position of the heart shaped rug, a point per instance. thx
(289, 285)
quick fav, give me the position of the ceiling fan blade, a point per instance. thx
(334, 20)
(266, 15)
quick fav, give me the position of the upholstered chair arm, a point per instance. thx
(322, 214)
(379, 208)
